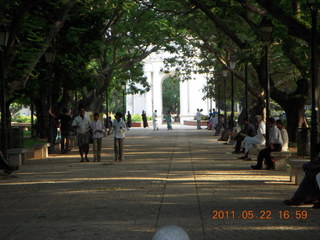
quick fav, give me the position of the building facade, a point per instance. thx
(191, 91)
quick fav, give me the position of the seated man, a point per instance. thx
(228, 130)
(217, 124)
(233, 135)
(284, 135)
(210, 123)
(308, 190)
(5, 166)
(259, 138)
(275, 145)
(248, 130)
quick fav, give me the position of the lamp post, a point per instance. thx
(210, 92)
(123, 86)
(266, 28)
(218, 77)
(49, 56)
(244, 51)
(314, 6)
(4, 35)
(225, 75)
(107, 109)
(232, 64)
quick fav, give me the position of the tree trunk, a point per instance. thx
(295, 118)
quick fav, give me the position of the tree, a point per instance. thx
(171, 95)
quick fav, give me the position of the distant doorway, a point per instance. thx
(171, 95)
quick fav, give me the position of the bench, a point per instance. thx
(17, 156)
(40, 150)
(256, 149)
(281, 160)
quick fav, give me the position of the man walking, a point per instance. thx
(65, 127)
(119, 128)
(82, 126)
(198, 118)
(97, 134)
(155, 120)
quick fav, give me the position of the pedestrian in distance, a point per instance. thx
(97, 129)
(155, 120)
(65, 128)
(119, 128)
(144, 119)
(198, 118)
(53, 129)
(169, 120)
(129, 121)
(82, 127)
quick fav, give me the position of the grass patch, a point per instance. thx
(29, 142)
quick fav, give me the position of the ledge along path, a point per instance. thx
(183, 177)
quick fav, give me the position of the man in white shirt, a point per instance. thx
(198, 118)
(155, 120)
(97, 134)
(82, 126)
(284, 135)
(119, 128)
(259, 138)
(275, 145)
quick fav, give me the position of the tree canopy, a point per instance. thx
(100, 44)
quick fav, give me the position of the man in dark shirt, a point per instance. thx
(65, 127)
(248, 130)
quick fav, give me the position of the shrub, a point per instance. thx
(136, 118)
(22, 119)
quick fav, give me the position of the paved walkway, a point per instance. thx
(182, 177)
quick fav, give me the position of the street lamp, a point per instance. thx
(266, 28)
(225, 75)
(210, 93)
(245, 50)
(50, 56)
(218, 77)
(232, 64)
(4, 35)
(123, 86)
(314, 6)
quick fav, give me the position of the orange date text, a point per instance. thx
(260, 215)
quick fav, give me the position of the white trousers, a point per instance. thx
(248, 143)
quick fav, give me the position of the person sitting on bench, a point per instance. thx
(248, 130)
(259, 138)
(308, 190)
(284, 135)
(275, 145)
(5, 166)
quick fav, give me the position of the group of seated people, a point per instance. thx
(255, 134)
(309, 189)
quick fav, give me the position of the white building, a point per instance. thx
(190, 91)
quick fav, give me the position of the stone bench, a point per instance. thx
(40, 150)
(281, 160)
(254, 151)
(17, 156)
